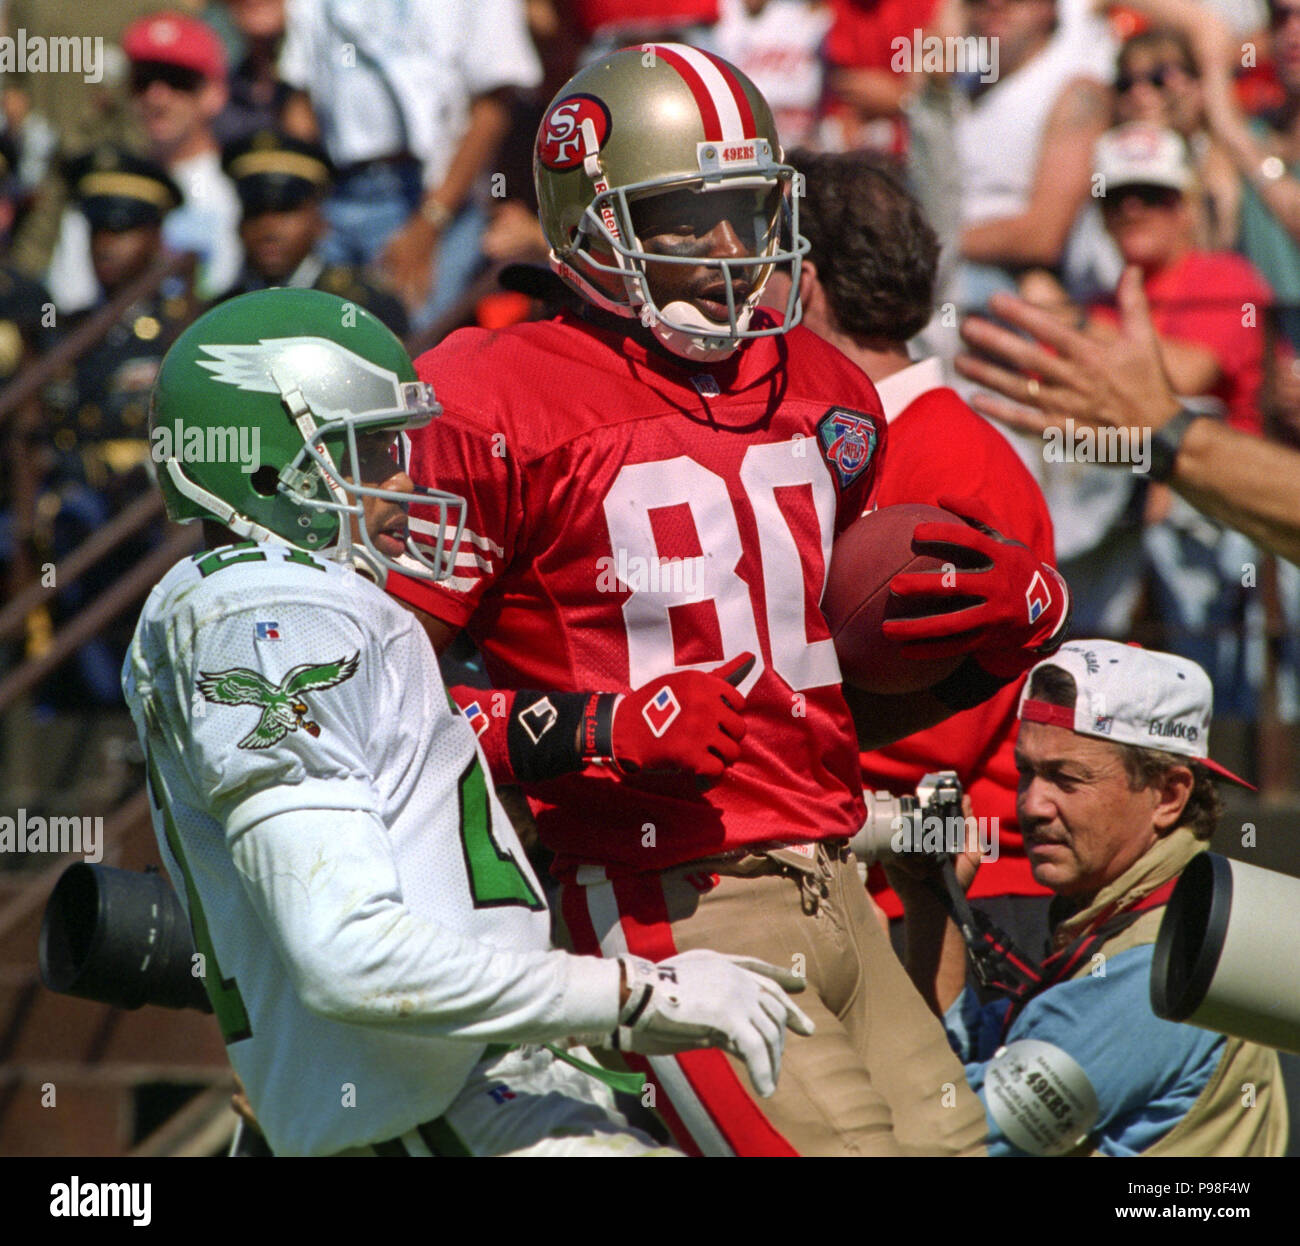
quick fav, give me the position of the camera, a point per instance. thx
(928, 821)
(121, 938)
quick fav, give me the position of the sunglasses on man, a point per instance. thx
(1148, 196)
(1158, 78)
(180, 78)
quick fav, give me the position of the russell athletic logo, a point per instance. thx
(1037, 597)
(476, 718)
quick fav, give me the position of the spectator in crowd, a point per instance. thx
(1264, 149)
(1047, 377)
(97, 416)
(178, 82)
(364, 76)
(1117, 795)
(1209, 309)
(603, 26)
(1024, 141)
(777, 44)
(1208, 306)
(257, 97)
(867, 286)
(1157, 81)
(869, 80)
(281, 181)
(1117, 388)
(80, 109)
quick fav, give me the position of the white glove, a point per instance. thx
(711, 999)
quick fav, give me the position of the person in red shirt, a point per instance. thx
(653, 489)
(1208, 306)
(1209, 309)
(866, 90)
(867, 287)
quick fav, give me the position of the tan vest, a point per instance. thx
(1242, 1110)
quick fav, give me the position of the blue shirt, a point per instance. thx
(1147, 1073)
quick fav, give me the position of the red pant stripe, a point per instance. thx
(643, 916)
(582, 934)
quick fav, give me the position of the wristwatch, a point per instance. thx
(1166, 442)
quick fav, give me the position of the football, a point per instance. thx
(857, 601)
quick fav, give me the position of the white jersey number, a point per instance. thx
(766, 472)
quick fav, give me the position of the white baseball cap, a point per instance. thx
(1132, 696)
(1140, 154)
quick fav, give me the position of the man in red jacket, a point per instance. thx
(867, 287)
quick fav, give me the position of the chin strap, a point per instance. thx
(701, 347)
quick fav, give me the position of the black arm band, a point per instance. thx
(545, 728)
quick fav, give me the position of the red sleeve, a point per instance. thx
(938, 446)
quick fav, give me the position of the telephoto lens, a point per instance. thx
(121, 938)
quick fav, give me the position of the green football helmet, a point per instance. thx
(642, 122)
(263, 419)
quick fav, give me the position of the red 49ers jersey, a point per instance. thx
(630, 516)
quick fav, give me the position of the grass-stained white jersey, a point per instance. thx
(365, 914)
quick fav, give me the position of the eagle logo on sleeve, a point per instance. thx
(283, 708)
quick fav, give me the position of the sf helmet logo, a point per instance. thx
(576, 127)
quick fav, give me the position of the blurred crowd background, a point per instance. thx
(381, 149)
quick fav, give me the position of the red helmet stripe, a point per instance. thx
(737, 94)
(703, 97)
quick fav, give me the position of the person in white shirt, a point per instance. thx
(178, 86)
(410, 98)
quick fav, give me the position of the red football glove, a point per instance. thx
(1010, 609)
(685, 722)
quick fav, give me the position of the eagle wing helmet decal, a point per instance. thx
(320, 368)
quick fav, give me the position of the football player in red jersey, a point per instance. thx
(653, 489)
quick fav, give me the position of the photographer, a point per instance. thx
(1116, 796)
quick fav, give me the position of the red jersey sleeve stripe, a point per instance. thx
(583, 940)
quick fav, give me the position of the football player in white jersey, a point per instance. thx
(372, 935)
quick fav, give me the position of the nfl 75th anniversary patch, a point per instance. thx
(848, 440)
